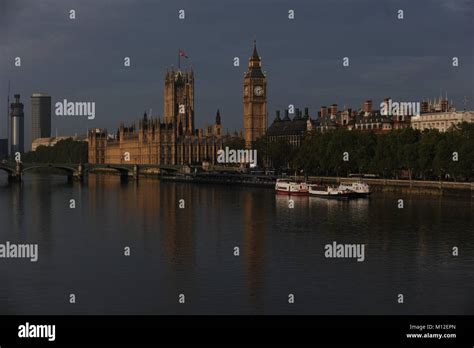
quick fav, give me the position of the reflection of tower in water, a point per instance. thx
(255, 226)
(178, 235)
(18, 201)
(137, 207)
(41, 215)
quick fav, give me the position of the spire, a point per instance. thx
(277, 118)
(255, 64)
(218, 117)
(297, 114)
(255, 55)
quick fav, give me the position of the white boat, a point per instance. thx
(288, 187)
(329, 192)
(361, 189)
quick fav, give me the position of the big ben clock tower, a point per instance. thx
(255, 100)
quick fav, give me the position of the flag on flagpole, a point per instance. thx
(182, 54)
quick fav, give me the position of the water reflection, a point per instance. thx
(254, 230)
(281, 249)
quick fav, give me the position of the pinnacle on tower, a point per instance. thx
(255, 64)
(255, 55)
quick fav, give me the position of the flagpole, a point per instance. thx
(179, 58)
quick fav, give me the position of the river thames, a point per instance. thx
(190, 251)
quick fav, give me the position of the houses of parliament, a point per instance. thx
(174, 140)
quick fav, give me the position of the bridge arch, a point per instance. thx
(68, 170)
(124, 171)
(118, 168)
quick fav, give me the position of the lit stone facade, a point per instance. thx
(173, 141)
(441, 121)
(255, 100)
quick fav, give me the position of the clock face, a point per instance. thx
(246, 91)
(258, 91)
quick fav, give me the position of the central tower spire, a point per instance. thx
(179, 100)
(255, 55)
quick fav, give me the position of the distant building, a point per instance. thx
(441, 121)
(3, 148)
(40, 116)
(441, 115)
(436, 105)
(365, 119)
(290, 130)
(328, 118)
(172, 140)
(368, 119)
(17, 135)
(51, 141)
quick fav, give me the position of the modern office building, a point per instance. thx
(17, 128)
(40, 116)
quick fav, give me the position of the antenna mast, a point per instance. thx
(8, 119)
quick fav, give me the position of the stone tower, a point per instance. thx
(218, 125)
(255, 99)
(179, 100)
(97, 146)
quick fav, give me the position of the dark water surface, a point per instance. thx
(190, 250)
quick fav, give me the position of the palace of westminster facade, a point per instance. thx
(174, 140)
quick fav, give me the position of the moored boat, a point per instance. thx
(359, 188)
(329, 192)
(288, 187)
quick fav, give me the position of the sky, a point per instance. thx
(406, 59)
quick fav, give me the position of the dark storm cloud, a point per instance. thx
(83, 59)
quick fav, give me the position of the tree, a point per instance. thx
(234, 143)
(427, 152)
(423, 155)
(64, 151)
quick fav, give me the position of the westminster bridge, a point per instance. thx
(16, 170)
